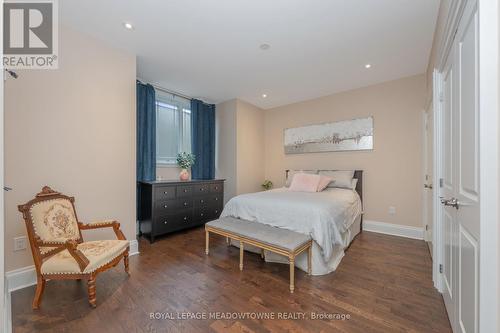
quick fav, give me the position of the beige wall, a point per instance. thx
(73, 129)
(240, 141)
(251, 147)
(392, 171)
(226, 145)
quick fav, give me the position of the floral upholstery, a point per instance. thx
(99, 253)
(55, 220)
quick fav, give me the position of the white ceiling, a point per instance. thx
(210, 48)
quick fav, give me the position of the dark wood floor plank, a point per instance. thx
(384, 284)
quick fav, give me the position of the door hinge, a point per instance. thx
(441, 181)
(440, 268)
(441, 97)
(426, 227)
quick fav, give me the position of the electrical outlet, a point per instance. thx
(20, 243)
(392, 210)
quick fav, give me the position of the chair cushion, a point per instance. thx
(55, 220)
(285, 239)
(99, 253)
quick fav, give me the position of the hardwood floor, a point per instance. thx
(383, 284)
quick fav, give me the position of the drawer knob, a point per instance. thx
(216, 199)
(201, 214)
(185, 204)
(216, 211)
(165, 192)
(202, 201)
(165, 222)
(216, 188)
(185, 218)
(202, 189)
(185, 190)
(166, 206)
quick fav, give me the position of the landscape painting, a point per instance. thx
(355, 134)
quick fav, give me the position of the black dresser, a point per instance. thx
(167, 206)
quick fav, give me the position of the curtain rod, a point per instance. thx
(166, 90)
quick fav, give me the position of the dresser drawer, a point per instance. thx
(184, 191)
(201, 189)
(164, 192)
(165, 224)
(203, 214)
(170, 207)
(214, 212)
(216, 188)
(215, 200)
(202, 201)
(162, 207)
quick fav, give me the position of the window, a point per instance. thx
(173, 127)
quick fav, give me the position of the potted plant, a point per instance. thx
(185, 161)
(267, 185)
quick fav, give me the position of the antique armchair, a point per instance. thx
(58, 249)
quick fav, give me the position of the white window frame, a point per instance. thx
(180, 105)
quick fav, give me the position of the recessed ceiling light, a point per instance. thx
(264, 47)
(264, 95)
(368, 66)
(128, 25)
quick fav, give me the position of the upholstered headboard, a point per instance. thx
(358, 174)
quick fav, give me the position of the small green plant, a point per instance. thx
(267, 184)
(185, 160)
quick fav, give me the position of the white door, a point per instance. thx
(447, 184)
(460, 174)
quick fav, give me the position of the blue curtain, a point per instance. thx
(146, 132)
(203, 139)
(146, 137)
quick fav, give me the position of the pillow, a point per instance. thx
(323, 182)
(304, 182)
(341, 178)
(353, 184)
(291, 173)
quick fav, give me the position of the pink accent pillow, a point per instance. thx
(324, 181)
(304, 182)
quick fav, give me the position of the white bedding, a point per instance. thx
(326, 215)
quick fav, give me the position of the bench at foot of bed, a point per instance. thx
(265, 237)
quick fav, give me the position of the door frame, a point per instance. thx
(425, 155)
(489, 181)
(4, 326)
(489, 156)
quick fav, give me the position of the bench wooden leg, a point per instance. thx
(309, 260)
(206, 242)
(292, 273)
(228, 241)
(241, 256)
(262, 253)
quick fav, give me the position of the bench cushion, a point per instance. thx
(282, 238)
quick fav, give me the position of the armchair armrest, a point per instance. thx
(104, 224)
(79, 257)
(71, 246)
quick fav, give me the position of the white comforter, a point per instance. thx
(324, 215)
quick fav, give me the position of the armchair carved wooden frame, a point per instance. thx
(58, 249)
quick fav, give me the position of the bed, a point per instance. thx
(332, 218)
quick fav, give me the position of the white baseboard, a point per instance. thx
(393, 229)
(26, 276)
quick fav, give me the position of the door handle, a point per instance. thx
(429, 186)
(453, 202)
